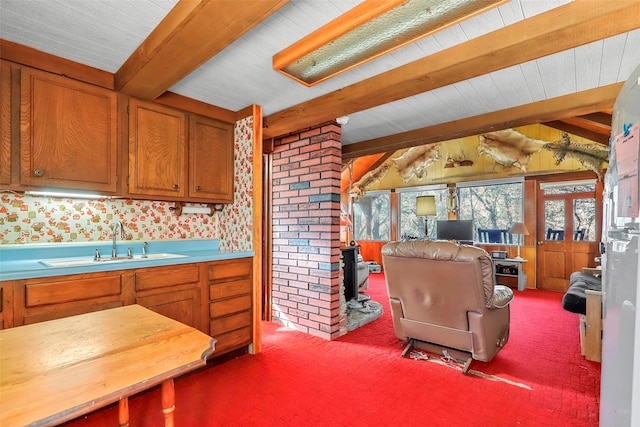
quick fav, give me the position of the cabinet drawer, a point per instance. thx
(71, 290)
(232, 340)
(162, 277)
(229, 323)
(230, 268)
(230, 289)
(228, 306)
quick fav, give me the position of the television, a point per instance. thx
(455, 229)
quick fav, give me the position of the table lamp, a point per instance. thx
(521, 230)
(426, 207)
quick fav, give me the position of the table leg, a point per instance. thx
(168, 402)
(123, 412)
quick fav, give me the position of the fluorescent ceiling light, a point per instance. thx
(69, 195)
(369, 30)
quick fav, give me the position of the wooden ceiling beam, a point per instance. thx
(361, 166)
(565, 27)
(190, 34)
(589, 125)
(565, 126)
(602, 117)
(585, 102)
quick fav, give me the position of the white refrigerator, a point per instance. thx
(620, 385)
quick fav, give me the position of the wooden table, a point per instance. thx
(55, 371)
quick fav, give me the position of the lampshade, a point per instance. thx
(519, 228)
(368, 31)
(425, 205)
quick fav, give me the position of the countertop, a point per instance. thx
(24, 261)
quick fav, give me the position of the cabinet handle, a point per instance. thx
(38, 172)
(198, 188)
(176, 186)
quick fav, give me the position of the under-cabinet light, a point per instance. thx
(71, 195)
(369, 30)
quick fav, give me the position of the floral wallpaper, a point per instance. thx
(39, 219)
(236, 220)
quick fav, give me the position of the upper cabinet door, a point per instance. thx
(5, 123)
(211, 154)
(68, 133)
(157, 150)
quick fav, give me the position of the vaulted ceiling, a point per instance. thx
(556, 62)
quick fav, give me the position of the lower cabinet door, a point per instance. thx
(183, 305)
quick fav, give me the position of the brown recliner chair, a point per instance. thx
(444, 294)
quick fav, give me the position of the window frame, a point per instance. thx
(488, 183)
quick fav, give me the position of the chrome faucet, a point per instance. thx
(116, 225)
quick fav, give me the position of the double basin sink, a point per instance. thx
(85, 261)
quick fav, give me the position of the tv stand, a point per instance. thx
(511, 267)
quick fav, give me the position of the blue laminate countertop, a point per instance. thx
(24, 261)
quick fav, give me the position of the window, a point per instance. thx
(570, 202)
(412, 226)
(493, 206)
(371, 215)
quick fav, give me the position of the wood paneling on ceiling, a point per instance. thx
(189, 35)
(525, 60)
(539, 112)
(568, 26)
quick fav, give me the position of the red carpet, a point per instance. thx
(360, 380)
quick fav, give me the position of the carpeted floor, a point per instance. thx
(361, 380)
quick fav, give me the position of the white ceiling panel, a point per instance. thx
(588, 59)
(630, 56)
(470, 103)
(531, 74)
(512, 85)
(100, 33)
(556, 83)
(536, 7)
(612, 53)
(482, 24)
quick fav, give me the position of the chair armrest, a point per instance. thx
(502, 296)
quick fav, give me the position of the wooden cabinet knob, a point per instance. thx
(176, 186)
(198, 188)
(38, 172)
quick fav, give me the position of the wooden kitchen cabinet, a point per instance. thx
(68, 133)
(5, 123)
(173, 291)
(6, 305)
(157, 151)
(48, 298)
(230, 303)
(211, 173)
(214, 297)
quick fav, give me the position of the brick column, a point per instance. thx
(307, 279)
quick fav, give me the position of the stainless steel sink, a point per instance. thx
(85, 261)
